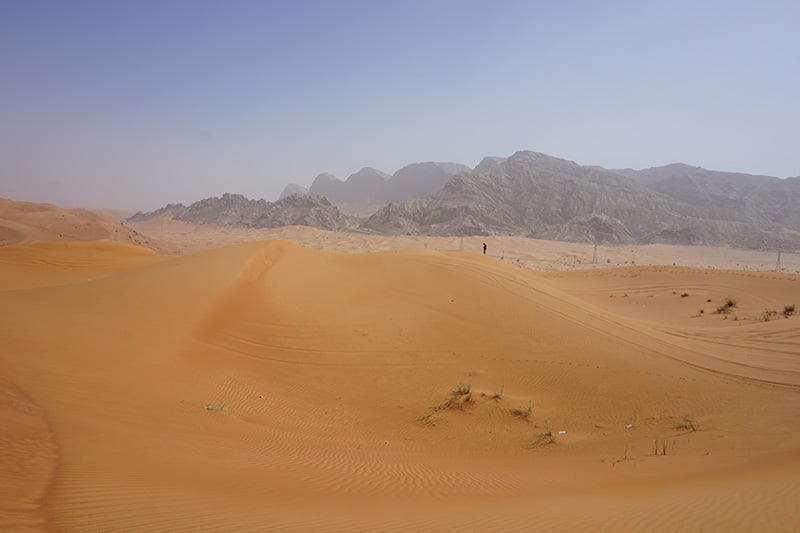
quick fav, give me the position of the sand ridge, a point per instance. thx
(266, 385)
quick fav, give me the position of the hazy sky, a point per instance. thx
(134, 104)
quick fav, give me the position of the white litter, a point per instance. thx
(562, 432)
(629, 426)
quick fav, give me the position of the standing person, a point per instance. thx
(484, 248)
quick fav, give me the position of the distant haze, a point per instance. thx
(136, 104)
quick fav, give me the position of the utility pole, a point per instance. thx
(594, 256)
(778, 263)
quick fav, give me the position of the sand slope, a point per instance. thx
(26, 222)
(268, 386)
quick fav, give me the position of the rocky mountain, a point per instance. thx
(291, 189)
(237, 210)
(369, 189)
(536, 195)
(541, 196)
(727, 195)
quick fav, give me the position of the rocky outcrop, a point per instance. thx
(305, 210)
(237, 210)
(169, 209)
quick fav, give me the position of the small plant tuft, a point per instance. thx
(788, 310)
(211, 407)
(684, 295)
(727, 306)
(498, 395)
(546, 438)
(460, 398)
(686, 422)
(524, 412)
(767, 315)
(462, 389)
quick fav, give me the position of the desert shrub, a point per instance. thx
(727, 306)
(788, 310)
(767, 315)
(460, 398)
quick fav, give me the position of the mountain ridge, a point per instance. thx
(537, 195)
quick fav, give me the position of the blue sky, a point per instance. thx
(136, 104)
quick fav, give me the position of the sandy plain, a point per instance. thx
(299, 383)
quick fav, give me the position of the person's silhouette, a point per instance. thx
(484, 248)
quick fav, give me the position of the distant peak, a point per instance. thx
(291, 189)
(487, 162)
(323, 180)
(369, 172)
(529, 155)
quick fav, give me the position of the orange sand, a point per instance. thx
(26, 222)
(265, 386)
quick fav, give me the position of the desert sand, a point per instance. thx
(180, 237)
(272, 386)
(29, 222)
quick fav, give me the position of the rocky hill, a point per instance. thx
(237, 210)
(168, 210)
(541, 196)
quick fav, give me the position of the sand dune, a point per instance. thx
(269, 386)
(26, 222)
